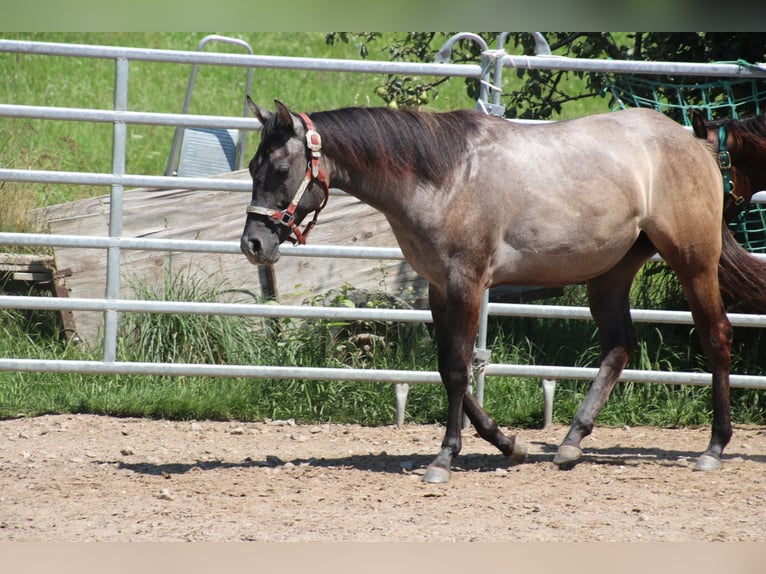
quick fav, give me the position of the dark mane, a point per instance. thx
(404, 143)
(749, 133)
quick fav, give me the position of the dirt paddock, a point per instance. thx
(89, 478)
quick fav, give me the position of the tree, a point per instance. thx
(543, 93)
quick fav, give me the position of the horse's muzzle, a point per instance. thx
(255, 252)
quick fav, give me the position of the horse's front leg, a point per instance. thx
(455, 330)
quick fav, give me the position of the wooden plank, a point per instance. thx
(31, 277)
(219, 215)
(26, 263)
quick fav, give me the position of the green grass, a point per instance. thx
(290, 342)
(159, 87)
(68, 82)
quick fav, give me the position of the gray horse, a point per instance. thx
(476, 201)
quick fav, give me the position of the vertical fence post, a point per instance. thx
(549, 388)
(481, 353)
(119, 140)
(480, 356)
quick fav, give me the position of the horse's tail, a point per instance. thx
(741, 276)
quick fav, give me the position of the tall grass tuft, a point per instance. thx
(180, 338)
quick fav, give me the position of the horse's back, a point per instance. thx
(578, 193)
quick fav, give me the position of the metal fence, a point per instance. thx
(488, 72)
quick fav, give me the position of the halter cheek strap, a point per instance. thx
(314, 172)
(724, 164)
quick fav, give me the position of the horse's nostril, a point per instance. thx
(250, 246)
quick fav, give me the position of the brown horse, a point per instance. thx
(739, 147)
(476, 201)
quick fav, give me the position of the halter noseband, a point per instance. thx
(313, 173)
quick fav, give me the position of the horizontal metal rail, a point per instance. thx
(138, 118)
(192, 245)
(628, 66)
(345, 313)
(203, 370)
(367, 375)
(239, 60)
(107, 179)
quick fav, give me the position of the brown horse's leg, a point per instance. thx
(611, 311)
(609, 300)
(455, 328)
(512, 447)
(715, 334)
(456, 321)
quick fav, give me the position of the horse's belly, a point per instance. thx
(566, 250)
(556, 267)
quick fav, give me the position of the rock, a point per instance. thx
(165, 494)
(281, 423)
(196, 427)
(127, 451)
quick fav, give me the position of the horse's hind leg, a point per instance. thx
(512, 447)
(715, 332)
(611, 312)
(609, 298)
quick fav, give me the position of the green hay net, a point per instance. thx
(718, 99)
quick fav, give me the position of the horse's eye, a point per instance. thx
(282, 169)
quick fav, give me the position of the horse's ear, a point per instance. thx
(284, 115)
(260, 113)
(698, 125)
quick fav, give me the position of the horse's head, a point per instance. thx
(287, 183)
(740, 164)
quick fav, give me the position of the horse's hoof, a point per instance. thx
(519, 453)
(567, 456)
(707, 462)
(436, 475)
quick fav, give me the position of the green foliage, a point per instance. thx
(550, 94)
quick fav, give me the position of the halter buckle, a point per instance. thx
(286, 218)
(313, 140)
(724, 159)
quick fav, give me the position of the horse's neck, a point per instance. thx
(370, 186)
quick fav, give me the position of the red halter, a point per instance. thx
(313, 173)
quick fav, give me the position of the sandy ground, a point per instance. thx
(89, 478)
